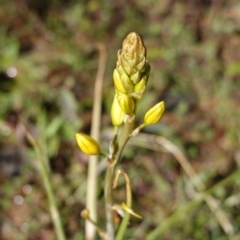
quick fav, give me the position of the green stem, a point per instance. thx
(52, 203)
(48, 188)
(124, 137)
(112, 164)
(91, 198)
(123, 226)
(109, 201)
(125, 221)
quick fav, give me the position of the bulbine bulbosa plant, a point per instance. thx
(130, 81)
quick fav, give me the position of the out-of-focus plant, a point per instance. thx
(130, 80)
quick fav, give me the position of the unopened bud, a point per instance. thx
(117, 114)
(85, 213)
(118, 83)
(132, 67)
(88, 144)
(139, 88)
(154, 114)
(126, 103)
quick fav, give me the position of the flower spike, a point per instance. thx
(132, 69)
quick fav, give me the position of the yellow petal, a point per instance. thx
(87, 144)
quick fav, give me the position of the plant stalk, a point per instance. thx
(125, 221)
(109, 202)
(112, 164)
(91, 198)
(44, 171)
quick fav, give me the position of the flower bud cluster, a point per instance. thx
(130, 79)
(131, 73)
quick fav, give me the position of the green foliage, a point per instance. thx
(193, 50)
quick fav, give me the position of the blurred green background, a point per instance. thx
(48, 65)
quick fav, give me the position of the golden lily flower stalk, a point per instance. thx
(130, 79)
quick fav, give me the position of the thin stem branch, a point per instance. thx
(91, 199)
(109, 201)
(48, 188)
(124, 223)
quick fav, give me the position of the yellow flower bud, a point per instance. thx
(126, 103)
(127, 83)
(154, 114)
(139, 88)
(85, 213)
(88, 144)
(132, 66)
(117, 82)
(117, 114)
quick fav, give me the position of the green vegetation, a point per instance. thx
(183, 170)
